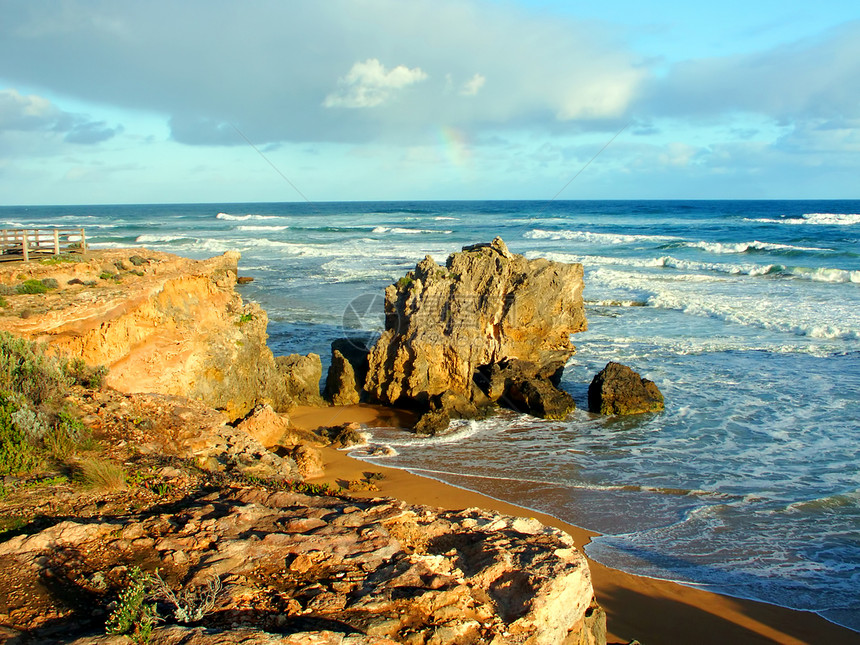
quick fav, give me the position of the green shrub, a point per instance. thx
(17, 454)
(26, 370)
(132, 616)
(82, 374)
(32, 286)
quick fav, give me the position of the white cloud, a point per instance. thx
(473, 85)
(369, 84)
(30, 112)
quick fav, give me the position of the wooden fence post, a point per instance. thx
(24, 246)
(56, 242)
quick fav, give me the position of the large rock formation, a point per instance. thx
(290, 563)
(618, 390)
(161, 323)
(478, 328)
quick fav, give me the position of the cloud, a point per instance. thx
(36, 114)
(369, 84)
(26, 113)
(473, 85)
(816, 78)
(91, 132)
(273, 68)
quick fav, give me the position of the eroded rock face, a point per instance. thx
(380, 568)
(160, 322)
(340, 386)
(618, 390)
(302, 376)
(485, 307)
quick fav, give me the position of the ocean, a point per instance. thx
(745, 313)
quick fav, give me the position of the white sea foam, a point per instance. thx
(243, 218)
(161, 239)
(598, 238)
(819, 274)
(261, 228)
(827, 219)
(397, 230)
(746, 247)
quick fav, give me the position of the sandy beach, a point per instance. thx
(651, 611)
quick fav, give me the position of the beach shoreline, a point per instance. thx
(649, 610)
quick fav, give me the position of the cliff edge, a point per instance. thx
(160, 323)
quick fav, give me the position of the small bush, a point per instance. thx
(17, 454)
(84, 375)
(3, 302)
(6, 290)
(132, 616)
(190, 604)
(32, 286)
(102, 475)
(245, 318)
(25, 369)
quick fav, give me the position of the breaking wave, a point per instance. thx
(828, 219)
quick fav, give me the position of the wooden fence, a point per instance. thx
(23, 243)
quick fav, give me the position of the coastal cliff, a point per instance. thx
(159, 322)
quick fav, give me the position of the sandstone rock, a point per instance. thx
(540, 399)
(445, 326)
(265, 425)
(346, 435)
(340, 386)
(171, 426)
(618, 390)
(308, 460)
(178, 329)
(369, 570)
(244, 279)
(432, 423)
(301, 376)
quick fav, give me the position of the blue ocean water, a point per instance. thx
(745, 313)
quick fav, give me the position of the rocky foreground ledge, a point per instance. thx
(376, 571)
(208, 526)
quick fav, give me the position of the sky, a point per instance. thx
(113, 101)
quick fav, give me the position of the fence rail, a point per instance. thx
(23, 243)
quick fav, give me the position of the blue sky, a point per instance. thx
(214, 101)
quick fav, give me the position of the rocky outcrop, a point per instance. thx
(266, 426)
(172, 426)
(161, 323)
(454, 329)
(301, 376)
(285, 561)
(618, 390)
(340, 385)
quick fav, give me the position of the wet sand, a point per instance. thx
(655, 612)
